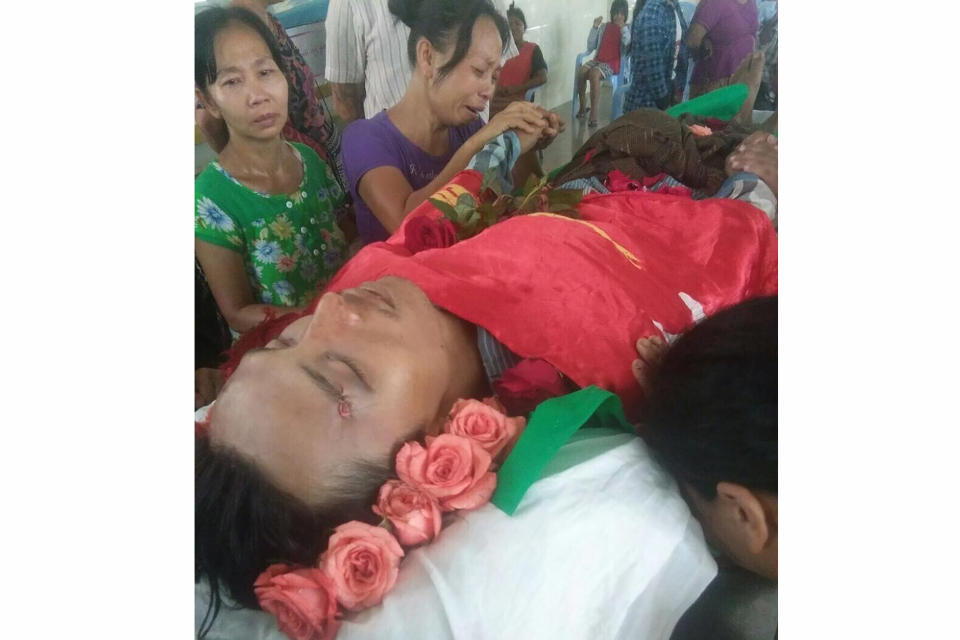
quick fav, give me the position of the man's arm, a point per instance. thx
(348, 100)
(346, 59)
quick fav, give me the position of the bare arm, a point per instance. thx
(698, 42)
(348, 100)
(388, 194)
(390, 197)
(228, 282)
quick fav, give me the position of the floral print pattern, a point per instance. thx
(290, 243)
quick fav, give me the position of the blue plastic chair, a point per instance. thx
(616, 81)
(531, 93)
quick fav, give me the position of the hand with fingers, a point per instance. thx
(555, 126)
(525, 118)
(650, 351)
(757, 154)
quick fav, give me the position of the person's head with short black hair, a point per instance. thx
(454, 48)
(711, 417)
(619, 8)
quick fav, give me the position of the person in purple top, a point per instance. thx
(401, 156)
(722, 36)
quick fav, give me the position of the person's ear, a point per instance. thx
(744, 512)
(427, 58)
(208, 105)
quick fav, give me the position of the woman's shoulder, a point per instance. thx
(211, 181)
(373, 136)
(365, 128)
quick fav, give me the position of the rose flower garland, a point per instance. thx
(454, 471)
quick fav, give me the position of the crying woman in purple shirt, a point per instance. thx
(401, 156)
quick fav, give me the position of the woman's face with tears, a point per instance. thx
(372, 367)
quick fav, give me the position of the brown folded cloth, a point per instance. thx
(647, 142)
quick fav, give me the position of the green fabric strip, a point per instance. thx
(550, 425)
(723, 104)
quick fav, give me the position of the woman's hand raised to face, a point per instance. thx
(523, 117)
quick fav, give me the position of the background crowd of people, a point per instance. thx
(424, 89)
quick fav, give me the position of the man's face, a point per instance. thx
(368, 370)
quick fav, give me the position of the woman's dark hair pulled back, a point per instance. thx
(445, 22)
(208, 23)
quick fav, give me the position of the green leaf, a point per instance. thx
(448, 212)
(467, 200)
(563, 199)
(530, 184)
(491, 180)
(487, 214)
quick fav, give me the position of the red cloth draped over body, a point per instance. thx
(517, 69)
(609, 49)
(579, 293)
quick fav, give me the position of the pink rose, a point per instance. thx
(530, 382)
(485, 423)
(286, 263)
(452, 469)
(422, 232)
(415, 515)
(302, 600)
(363, 561)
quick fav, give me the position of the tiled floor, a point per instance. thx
(576, 133)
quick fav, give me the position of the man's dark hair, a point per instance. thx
(712, 411)
(243, 523)
(444, 23)
(207, 24)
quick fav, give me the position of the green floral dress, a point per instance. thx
(291, 244)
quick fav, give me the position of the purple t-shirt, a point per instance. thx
(368, 144)
(731, 28)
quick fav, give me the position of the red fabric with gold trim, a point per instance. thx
(579, 293)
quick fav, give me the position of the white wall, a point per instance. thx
(561, 27)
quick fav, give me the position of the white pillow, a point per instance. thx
(604, 549)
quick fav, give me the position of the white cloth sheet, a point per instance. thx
(605, 549)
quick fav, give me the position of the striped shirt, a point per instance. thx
(366, 44)
(496, 357)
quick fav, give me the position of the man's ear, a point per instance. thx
(744, 511)
(207, 103)
(427, 58)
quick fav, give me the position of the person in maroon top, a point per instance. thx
(525, 70)
(611, 40)
(520, 73)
